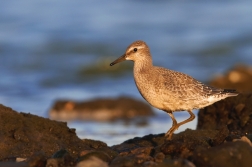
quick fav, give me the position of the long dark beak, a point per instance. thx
(120, 59)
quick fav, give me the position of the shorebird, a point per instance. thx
(169, 90)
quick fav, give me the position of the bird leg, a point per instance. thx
(192, 116)
(176, 125)
(169, 133)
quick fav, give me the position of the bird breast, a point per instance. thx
(149, 88)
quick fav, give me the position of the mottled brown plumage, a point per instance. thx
(169, 90)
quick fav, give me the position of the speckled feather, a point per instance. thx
(174, 91)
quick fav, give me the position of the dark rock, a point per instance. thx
(37, 160)
(176, 163)
(63, 158)
(126, 161)
(23, 135)
(159, 157)
(235, 113)
(124, 108)
(239, 78)
(95, 143)
(183, 144)
(138, 142)
(133, 160)
(137, 151)
(60, 154)
(220, 137)
(98, 149)
(231, 154)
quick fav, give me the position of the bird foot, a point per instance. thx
(168, 136)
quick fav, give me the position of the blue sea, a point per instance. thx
(47, 49)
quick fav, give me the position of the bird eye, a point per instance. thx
(135, 49)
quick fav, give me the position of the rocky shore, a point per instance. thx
(222, 138)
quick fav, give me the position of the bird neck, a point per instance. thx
(142, 65)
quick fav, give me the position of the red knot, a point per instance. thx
(169, 90)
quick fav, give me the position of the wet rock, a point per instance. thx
(231, 154)
(239, 78)
(23, 135)
(124, 108)
(235, 113)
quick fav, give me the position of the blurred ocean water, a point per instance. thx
(51, 49)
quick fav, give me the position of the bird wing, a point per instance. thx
(185, 87)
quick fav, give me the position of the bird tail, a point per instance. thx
(230, 92)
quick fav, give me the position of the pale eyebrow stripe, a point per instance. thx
(138, 47)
